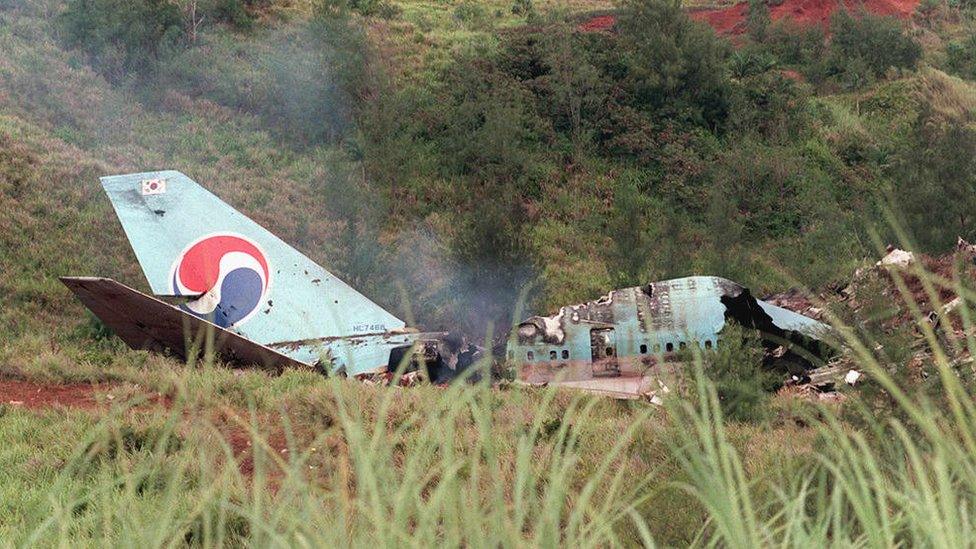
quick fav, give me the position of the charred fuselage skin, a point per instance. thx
(631, 338)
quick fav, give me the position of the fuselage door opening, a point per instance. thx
(603, 351)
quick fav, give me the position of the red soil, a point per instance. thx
(600, 23)
(233, 428)
(731, 20)
(40, 395)
(792, 75)
(87, 396)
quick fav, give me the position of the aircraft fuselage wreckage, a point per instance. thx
(223, 281)
(629, 342)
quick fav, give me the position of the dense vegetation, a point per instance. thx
(446, 158)
(508, 149)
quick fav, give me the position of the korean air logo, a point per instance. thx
(230, 274)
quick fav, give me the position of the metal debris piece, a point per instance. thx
(896, 257)
(622, 342)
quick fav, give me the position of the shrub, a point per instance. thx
(675, 66)
(793, 44)
(742, 385)
(749, 62)
(471, 14)
(961, 57)
(928, 10)
(758, 19)
(378, 8)
(523, 7)
(305, 81)
(936, 178)
(770, 190)
(122, 36)
(234, 12)
(864, 48)
(769, 104)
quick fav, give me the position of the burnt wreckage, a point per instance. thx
(216, 275)
(630, 342)
(211, 270)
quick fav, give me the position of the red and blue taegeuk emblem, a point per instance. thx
(230, 274)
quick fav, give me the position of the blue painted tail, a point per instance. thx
(236, 273)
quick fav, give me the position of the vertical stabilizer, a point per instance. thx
(235, 272)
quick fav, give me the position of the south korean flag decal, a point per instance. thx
(153, 186)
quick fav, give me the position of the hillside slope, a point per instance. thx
(429, 198)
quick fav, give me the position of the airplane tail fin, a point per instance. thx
(238, 274)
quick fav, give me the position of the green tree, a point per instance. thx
(122, 37)
(961, 57)
(676, 66)
(865, 47)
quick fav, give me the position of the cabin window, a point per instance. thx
(530, 355)
(682, 345)
(565, 354)
(669, 347)
(643, 348)
(552, 355)
(609, 351)
(708, 343)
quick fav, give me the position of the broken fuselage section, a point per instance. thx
(630, 342)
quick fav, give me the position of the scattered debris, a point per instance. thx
(88, 396)
(852, 377)
(896, 257)
(935, 318)
(657, 397)
(386, 379)
(965, 248)
(797, 301)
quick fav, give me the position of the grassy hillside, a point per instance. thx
(428, 158)
(446, 158)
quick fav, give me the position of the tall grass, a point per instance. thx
(339, 464)
(304, 460)
(370, 472)
(901, 476)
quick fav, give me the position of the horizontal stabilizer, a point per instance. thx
(145, 322)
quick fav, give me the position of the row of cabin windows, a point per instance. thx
(668, 348)
(552, 355)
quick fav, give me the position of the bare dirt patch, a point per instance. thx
(38, 396)
(731, 20)
(600, 23)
